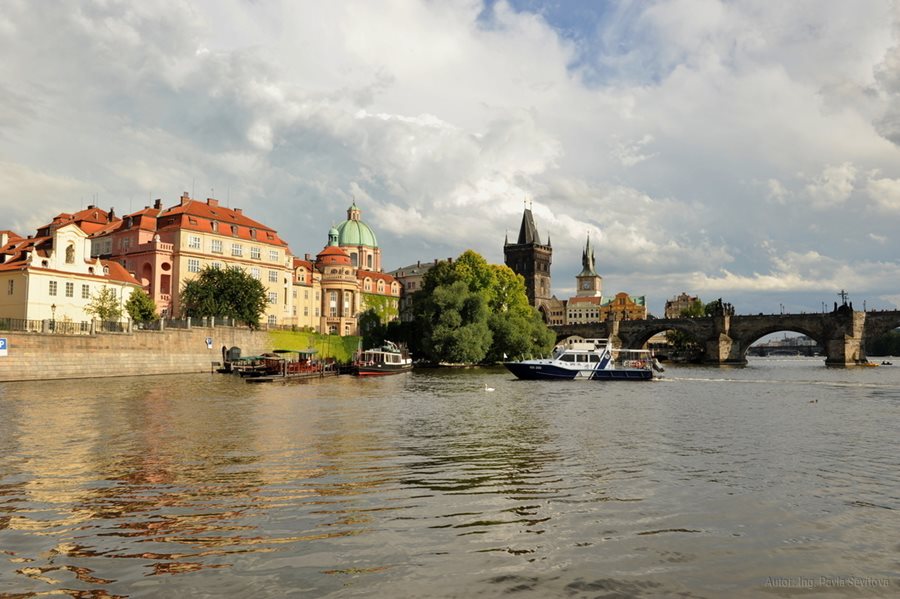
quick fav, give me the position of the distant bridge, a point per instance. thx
(725, 338)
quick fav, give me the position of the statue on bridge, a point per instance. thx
(720, 308)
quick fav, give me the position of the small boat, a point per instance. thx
(589, 359)
(286, 364)
(387, 359)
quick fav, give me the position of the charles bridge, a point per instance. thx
(725, 337)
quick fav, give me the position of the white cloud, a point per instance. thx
(885, 192)
(833, 186)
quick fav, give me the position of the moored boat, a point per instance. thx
(589, 359)
(387, 359)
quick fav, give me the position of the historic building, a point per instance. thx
(165, 248)
(531, 259)
(584, 308)
(343, 280)
(52, 276)
(624, 307)
(677, 304)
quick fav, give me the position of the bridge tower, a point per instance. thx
(531, 259)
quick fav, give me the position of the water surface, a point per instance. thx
(778, 479)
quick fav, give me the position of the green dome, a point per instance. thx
(356, 232)
(353, 231)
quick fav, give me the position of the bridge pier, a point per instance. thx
(845, 346)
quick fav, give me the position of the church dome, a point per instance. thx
(354, 232)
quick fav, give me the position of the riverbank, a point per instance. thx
(40, 356)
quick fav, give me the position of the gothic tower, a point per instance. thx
(590, 284)
(531, 259)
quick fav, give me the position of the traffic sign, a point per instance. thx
(3, 347)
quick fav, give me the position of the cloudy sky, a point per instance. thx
(744, 150)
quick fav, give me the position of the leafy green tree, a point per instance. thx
(225, 293)
(473, 311)
(141, 307)
(104, 304)
(458, 331)
(374, 331)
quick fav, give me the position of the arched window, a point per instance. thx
(354, 259)
(380, 286)
(369, 261)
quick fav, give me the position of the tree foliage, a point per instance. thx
(471, 311)
(682, 343)
(104, 304)
(141, 307)
(225, 293)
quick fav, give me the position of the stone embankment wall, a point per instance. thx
(37, 356)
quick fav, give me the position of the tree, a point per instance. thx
(225, 293)
(104, 304)
(681, 342)
(457, 331)
(471, 311)
(141, 307)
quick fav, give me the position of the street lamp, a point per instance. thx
(53, 317)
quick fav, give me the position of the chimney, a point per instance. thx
(4, 239)
(111, 215)
(239, 210)
(90, 207)
(307, 257)
(157, 204)
(185, 198)
(212, 202)
(450, 260)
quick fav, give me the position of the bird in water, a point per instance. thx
(486, 388)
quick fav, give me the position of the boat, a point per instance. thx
(289, 364)
(589, 359)
(387, 359)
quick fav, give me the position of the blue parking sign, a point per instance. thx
(3, 346)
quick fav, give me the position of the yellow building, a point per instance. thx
(624, 307)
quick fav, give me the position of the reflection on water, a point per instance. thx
(711, 482)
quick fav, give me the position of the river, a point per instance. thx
(779, 479)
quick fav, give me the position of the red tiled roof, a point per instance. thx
(117, 272)
(180, 217)
(333, 254)
(362, 274)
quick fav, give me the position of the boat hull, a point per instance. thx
(545, 372)
(382, 369)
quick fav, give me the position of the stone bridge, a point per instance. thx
(725, 338)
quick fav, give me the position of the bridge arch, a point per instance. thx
(747, 341)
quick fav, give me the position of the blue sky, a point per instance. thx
(743, 150)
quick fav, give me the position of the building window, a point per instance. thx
(317, 311)
(253, 233)
(305, 310)
(216, 246)
(273, 297)
(255, 253)
(53, 287)
(273, 320)
(273, 276)
(218, 265)
(214, 226)
(234, 230)
(306, 294)
(354, 259)
(70, 289)
(333, 311)
(10, 287)
(254, 272)
(85, 292)
(273, 255)
(369, 261)
(237, 249)
(193, 265)
(194, 242)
